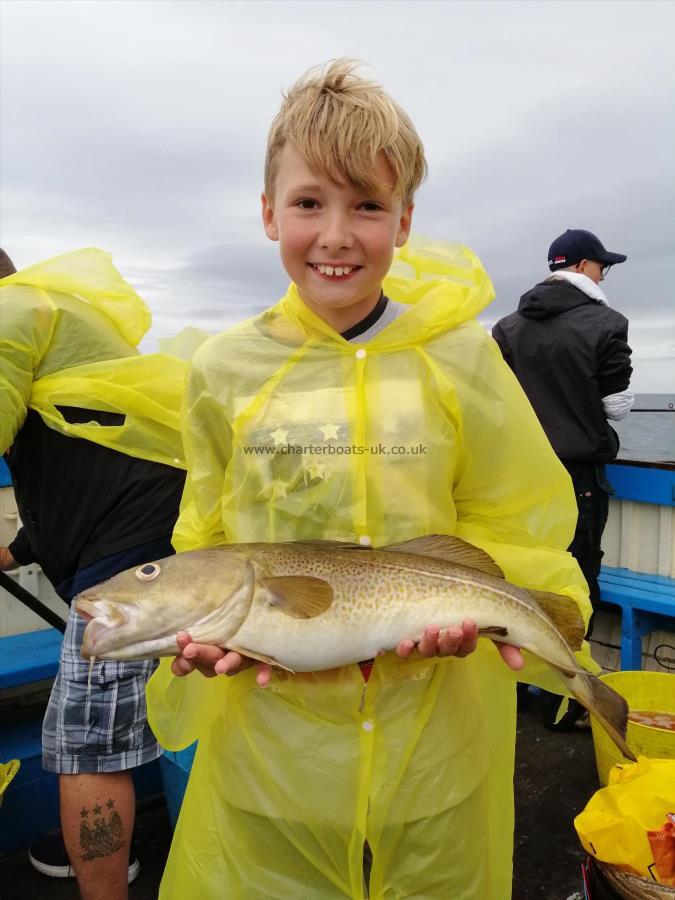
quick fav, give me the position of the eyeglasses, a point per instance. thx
(604, 267)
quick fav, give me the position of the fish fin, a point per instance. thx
(497, 630)
(607, 706)
(451, 549)
(260, 657)
(319, 544)
(299, 596)
(565, 615)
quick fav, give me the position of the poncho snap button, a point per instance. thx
(360, 353)
(368, 725)
(364, 540)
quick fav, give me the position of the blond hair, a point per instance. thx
(340, 123)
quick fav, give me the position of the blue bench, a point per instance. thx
(647, 602)
(29, 657)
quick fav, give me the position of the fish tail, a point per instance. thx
(608, 707)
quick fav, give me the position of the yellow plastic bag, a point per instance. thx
(615, 824)
(7, 772)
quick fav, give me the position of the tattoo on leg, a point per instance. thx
(105, 836)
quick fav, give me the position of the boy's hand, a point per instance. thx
(458, 640)
(211, 661)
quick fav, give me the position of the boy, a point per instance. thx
(416, 761)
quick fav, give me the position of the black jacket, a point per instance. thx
(80, 502)
(568, 352)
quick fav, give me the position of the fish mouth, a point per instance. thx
(107, 641)
(86, 608)
(93, 638)
(111, 632)
(90, 607)
(105, 630)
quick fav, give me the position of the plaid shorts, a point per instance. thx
(101, 728)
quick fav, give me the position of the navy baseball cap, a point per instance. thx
(576, 244)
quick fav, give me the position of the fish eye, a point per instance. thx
(148, 571)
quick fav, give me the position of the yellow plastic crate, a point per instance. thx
(643, 691)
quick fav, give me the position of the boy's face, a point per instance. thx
(322, 227)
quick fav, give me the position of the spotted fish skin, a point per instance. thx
(382, 597)
(311, 606)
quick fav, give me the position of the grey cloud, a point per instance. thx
(140, 127)
(214, 287)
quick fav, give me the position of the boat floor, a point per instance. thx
(555, 777)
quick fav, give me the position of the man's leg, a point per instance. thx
(94, 732)
(591, 489)
(585, 548)
(97, 819)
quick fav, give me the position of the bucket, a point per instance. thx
(644, 691)
(175, 767)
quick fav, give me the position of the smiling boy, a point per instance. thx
(413, 760)
(335, 239)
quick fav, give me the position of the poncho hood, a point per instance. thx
(551, 298)
(445, 285)
(71, 326)
(89, 275)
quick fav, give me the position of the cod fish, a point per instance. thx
(305, 606)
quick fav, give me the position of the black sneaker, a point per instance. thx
(551, 704)
(48, 855)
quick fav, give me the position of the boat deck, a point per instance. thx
(555, 777)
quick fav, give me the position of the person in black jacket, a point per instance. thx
(569, 351)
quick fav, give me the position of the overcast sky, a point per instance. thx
(140, 128)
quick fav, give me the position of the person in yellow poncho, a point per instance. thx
(353, 413)
(90, 429)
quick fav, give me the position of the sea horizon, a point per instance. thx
(647, 434)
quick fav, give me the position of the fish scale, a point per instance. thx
(312, 606)
(375, 590)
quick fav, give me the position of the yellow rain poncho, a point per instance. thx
(289, 781)
(68, 334)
